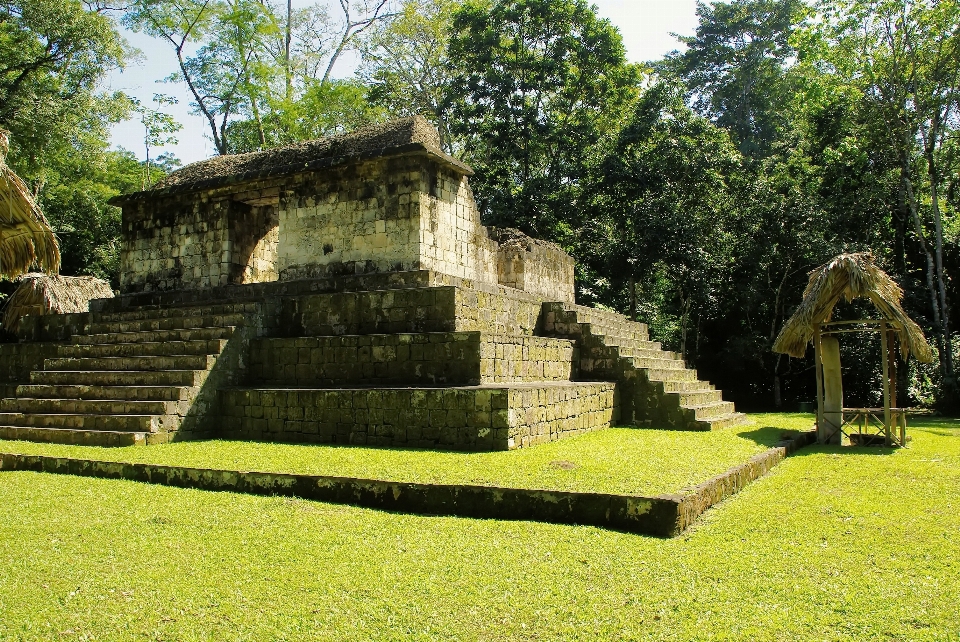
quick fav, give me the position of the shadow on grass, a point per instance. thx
(825, 449)
(768, 435)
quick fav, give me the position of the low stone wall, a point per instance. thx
(646, 515)
(453, 358)
(53, 327)
(534, 266)
(466, 418)
(694, 503)
(17, 360)
(662, 516)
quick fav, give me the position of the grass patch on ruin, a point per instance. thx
(834, 544)
(618, 460)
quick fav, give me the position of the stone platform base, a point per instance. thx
(500, 417)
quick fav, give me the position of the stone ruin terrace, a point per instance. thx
(339, 291)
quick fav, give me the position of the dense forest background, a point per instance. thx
(695, 191)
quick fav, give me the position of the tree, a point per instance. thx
(405, 63)
(158, 130)
(663, 203)
(53, 54)
(734, 67)
(903, 58)
(225, 74)
(535, 86)
(337, 107)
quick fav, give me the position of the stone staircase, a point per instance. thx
(656, 384)
(420, 366)
(127, 378)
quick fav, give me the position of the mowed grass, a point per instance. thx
(834, 544)
(619, 460)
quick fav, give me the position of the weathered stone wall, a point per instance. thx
(388, 210)
(198, 240)
(534, 266)
(353, 219)
(454, 242)
(451, 358)
(474, 418)
(17, 360)
(434, 309)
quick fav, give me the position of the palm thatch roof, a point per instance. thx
(40, 294)
(25, 236)
(850, 276)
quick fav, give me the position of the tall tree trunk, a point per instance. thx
(910, 198)
(933, 174)
(777, 392)
(633, 298)
(684, 322)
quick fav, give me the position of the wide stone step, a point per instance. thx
(118, 378)
(108, 438)
(729, 420)
(27, 405)
(430, 358)
(463, 418)
(181, 362)
(165, 312)
(687, 386)
(166, 348)
(671, 374)
(171, 323)
(657, 363)
(154, 336)
(122, 423)
(712, 410)
(120, 393)
(643, 353)
(700, 398)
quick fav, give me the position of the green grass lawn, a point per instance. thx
(834, 544)
(621, 460)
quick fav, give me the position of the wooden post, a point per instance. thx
(886, 382)
(892, 360)
(818, 368)
(832, 391)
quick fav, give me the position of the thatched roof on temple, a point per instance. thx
(40, 294)
(850, 276)
(26, 239)
(411, 134)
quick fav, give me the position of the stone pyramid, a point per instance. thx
(340, 291)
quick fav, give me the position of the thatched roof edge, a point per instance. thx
(850, 276)
(52, 294)
(26, 237)
(402, 137)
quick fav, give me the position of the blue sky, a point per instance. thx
(646, 26)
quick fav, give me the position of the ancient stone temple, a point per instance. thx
(339, 291)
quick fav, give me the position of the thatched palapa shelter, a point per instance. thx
(25, 236)
(850, 276)
(40, 294)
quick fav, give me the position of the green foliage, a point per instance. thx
(813, 551)
(335, 107)
(734, 67)
(405, 63)
(52, 55)
(662, 203)
(536, 85)
(89, 228)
